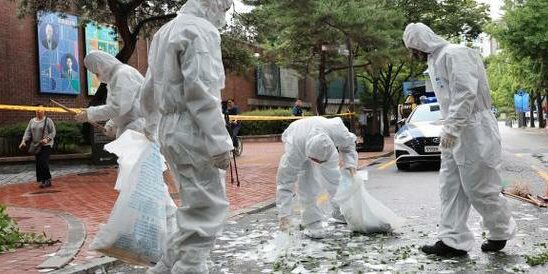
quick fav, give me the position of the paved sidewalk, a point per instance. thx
(89, 197)
(25, 172)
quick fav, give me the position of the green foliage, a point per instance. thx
(15, 130)
(267, 127)
(11, 237)
(68, 138)
(523, 32)
(507, 74)
(537, 259)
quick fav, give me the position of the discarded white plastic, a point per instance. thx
(143, 215)
(362, 211)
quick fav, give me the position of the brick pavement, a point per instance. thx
(90, 196)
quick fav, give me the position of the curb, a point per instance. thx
(75, 239)
(99, 265)
(262, 206)
(54, 157)
(377, 156)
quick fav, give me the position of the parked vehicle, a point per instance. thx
(417, 141)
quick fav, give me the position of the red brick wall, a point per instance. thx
(19, 67)
(239, 88)
(19, 72)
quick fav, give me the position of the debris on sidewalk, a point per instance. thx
(521, 191)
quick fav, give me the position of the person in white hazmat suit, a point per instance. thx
(181, 102)
(123, 84)
(311, 159)
(470, 145)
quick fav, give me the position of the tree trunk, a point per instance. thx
(531, 111)
(386, 101)
(541, 121)
(345, 86)
(320, 105)
(375, 126)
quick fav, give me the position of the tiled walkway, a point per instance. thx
(89, 196)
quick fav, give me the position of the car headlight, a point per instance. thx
(403, 137)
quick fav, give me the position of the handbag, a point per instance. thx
(36, 147)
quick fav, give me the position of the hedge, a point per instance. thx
(268, 127)
(69, 138)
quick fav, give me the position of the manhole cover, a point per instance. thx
(41, 192)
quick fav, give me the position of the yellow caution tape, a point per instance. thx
(35, 108)
(231, 117)
(277, 118)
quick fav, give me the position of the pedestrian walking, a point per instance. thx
(38, 138)
(181, 101)
(470, 144)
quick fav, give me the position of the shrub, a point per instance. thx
(68, 138)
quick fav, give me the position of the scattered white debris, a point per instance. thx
(300, 270)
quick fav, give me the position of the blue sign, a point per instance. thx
(58, 53)
(521, 101)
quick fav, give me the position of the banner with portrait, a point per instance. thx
(268, 80)
(58, 53)
(103, 38)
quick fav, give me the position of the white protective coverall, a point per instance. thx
(469, 170)
(182, 98)
(123, 84)
(318, 138)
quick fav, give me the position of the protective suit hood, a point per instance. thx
(102, 64)
(420, 37)
(319, 147)
(211, 10)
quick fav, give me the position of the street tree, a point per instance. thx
(453, 19)
(309, 35)
(522, 31)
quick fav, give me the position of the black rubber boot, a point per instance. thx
(47, 183)
(443, 250)
(493, 246)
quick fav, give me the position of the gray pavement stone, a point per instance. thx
(23, 173)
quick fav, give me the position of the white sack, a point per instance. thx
(363, 212)
(138, 227)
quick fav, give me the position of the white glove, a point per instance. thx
(447, 140)
(284, 223)
(81, 117)
(110, 131)
(221, 161)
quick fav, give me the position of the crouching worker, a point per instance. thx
(312, 160)
(123, 83)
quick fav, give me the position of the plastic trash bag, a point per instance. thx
(363, 212)
(144, 213)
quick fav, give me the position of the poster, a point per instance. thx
(268, 80)
(103, 38)
(289, 80)
(58, 53)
